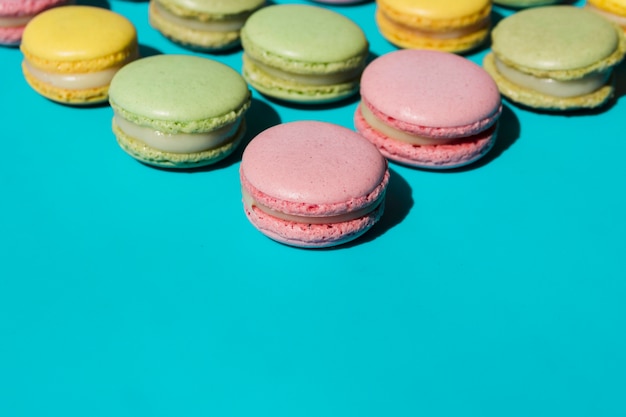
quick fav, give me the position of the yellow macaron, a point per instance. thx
(445, 25)
(613, 10)
(71, 53)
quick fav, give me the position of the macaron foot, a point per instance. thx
(162, 159)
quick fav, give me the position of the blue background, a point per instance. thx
(494, 290)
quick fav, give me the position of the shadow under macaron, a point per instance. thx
(509, 130)
(260, 116)
(398, 204)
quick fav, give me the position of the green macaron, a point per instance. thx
(555, 57)
(178, 111)
(302, 53)
(202, 24)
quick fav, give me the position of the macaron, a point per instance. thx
(443, 25)
(555, 57)
(614, 10)
(303, 53)
(312, 184)
(178, 111)
(520, 4)
(210, 25)
(15, 14)
(428, 109)
(71, 53)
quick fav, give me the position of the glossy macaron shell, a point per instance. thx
(430, 93)
(80, 38)
(305, 39)
(413, 11)
(179, 93)
(317, 170)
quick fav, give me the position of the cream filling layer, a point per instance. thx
(195, 24)
(177, 142)
(396, 134)
(76, 81)
(565, 89)
(249, 201)
(620, 20)
(14, 21)
(307, 79)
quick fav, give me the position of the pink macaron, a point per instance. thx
(312, 184)
(15, 14)
(428, 109)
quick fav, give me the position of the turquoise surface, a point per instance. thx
(495, 290)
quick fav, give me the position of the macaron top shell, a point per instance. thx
(79, 33)
(301, 36)
(438, 9)
(431, 93)
(554, 38)
(213, 7)
(316, 168)
(179, 93)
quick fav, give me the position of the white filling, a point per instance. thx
(249, 201)
(77, 81)
(620, 20)
(453, 33)
(194, 24)
(396, 134)
(14, 21)
(308, 79)
(571, 88)
(177, 142)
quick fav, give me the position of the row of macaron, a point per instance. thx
(447, 25)
(418, 107)
(551, 57)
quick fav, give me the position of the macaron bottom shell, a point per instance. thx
(446, 156)
(306, 235)
(535, 99)
(155, 157)
(408, 38)
(202, 40)
(87, 96)
(288, 90)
